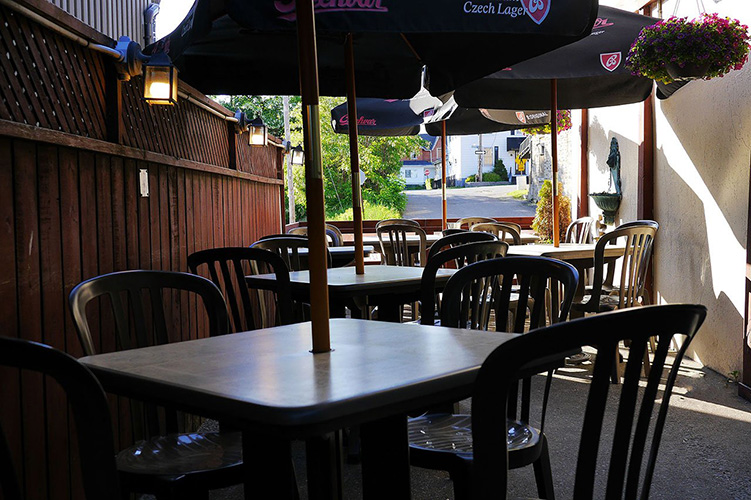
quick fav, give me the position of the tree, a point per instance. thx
(500, 169)
(380, 157)
(269, 108)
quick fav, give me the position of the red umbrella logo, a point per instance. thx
(537, 9)
(611, 60)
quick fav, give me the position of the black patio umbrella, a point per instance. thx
(399, 117)
(590, 73)
(242, 46)
(387, 117)
(282, 47)
(438, 116)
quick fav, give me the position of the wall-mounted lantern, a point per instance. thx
(257, 132)
(160, 80)
(298, 155)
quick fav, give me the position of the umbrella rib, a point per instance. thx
(407, 42)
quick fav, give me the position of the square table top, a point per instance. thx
(268, 379)
(346, 280)
(566, 251)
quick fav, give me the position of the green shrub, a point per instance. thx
(543, 221)
(500, 169)
(491, 177)
(471, 178)
(371, 211)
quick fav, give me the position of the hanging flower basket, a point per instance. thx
(564, 123)
(680, 49)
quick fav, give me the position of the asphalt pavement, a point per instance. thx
(485, 201)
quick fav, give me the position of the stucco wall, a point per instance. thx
(623, 123)
(703, 152)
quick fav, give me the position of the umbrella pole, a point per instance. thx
(554, 147)
(443, 175)
(354, 157)
(308, 62)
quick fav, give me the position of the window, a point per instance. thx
(408, 173)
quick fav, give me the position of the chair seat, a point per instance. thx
(607, 303)
(177, 455)
(452, 434)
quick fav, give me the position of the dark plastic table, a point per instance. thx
(268, 383)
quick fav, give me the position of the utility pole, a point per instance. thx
(480, 159)
(288, 159)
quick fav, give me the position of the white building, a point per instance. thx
(415, 172)
(464, 160)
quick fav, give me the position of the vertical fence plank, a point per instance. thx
(29, 315)
(10, 389)
(53, 319)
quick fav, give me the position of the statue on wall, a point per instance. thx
(609, 201)
(614, 162)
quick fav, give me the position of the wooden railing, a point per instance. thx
(429, 225)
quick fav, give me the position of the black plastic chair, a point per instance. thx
(386, 222)
(480, 297)
(292, 248)
(462, 250)
(458, 238)
(636, 431)
(470, 221)
(501, 230)
(580, 230)
(334, 235)
(227, 268)
(90, 410)
(169, 464)
(284, 235)
(638, 239)
(395, 247)
(604, 295)
(453, 230)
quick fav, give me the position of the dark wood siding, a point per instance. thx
(70, 209)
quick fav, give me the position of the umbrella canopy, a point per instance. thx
(387, 117)
(249, 46)
(466, 121)
(399, 117)
(591, 73)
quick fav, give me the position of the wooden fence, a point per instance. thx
(70, 209)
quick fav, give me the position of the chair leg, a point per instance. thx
(647, 363)
(543, 473)
(460, 476)
(615, 377)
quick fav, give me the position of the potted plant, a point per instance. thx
(543, 221)
(682, 49)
